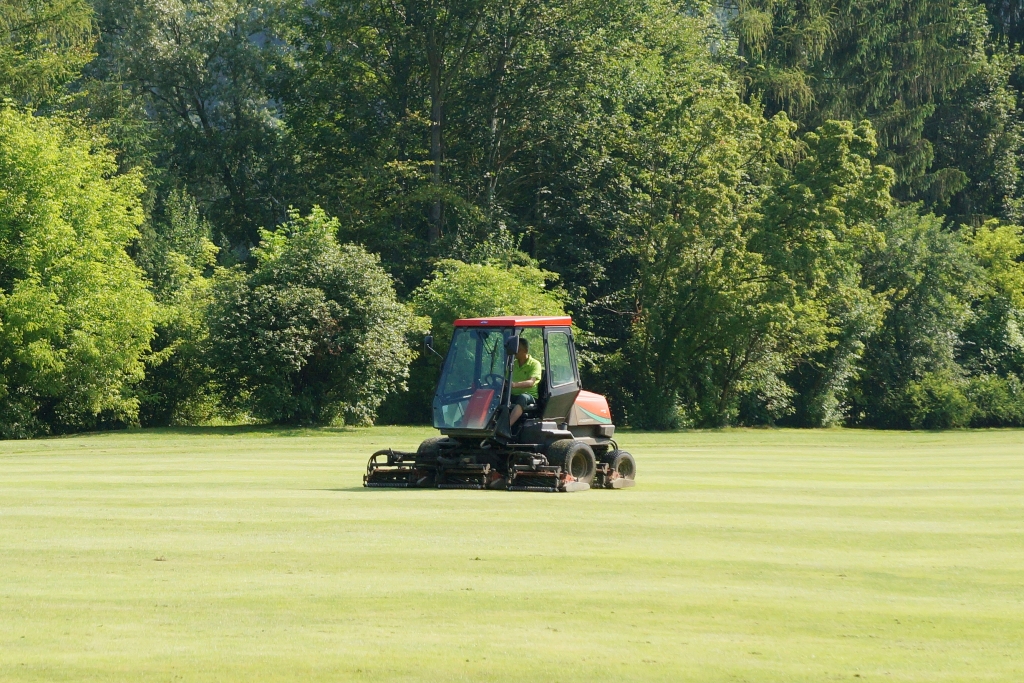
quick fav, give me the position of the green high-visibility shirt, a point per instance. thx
(531, 369)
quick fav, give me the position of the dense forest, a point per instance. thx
(756, 211)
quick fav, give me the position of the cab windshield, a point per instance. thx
(474, 375)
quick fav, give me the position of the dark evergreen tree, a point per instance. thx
(888, 61)
(1007, 17)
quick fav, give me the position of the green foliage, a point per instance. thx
(950, 351)
(817, 224)
(523, 105)
(888, 61)
(471, 290)
(314, 333)
(936, 401)
(180, 386)
(43, 45)
(993, 340)
(992, 344)
(929, 279)
(468, 290)
(197, 73)
(720, 190)
(999, 249)
(1007, 19)
(976, 129)
(997, 401)
(75, 314)
(730, 309)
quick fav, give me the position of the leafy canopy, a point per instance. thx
(470, 290)
(43, 45)
(75, 313)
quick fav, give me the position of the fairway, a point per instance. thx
(742, 555)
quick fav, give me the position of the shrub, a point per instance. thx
(937, 401)
(998, 401)
(314, 333)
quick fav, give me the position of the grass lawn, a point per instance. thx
(256, 555)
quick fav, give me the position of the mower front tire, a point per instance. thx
(621, 462)
(427, 457)
(429, 450)
(575, 457)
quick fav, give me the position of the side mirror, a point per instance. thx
(428, 345)
(512, 345)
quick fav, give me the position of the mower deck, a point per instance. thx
(522, 471)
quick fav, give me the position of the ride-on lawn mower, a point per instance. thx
(563, 443)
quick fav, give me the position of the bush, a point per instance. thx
(314, 334)
(75, 314)
(468, 290)
(998, 401)
(937, 401)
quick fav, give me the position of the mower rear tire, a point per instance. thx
(575, 457)
(621, 462)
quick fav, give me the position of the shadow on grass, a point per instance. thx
(350, 489)
(256, 430)
(222, 430)
(251, 430)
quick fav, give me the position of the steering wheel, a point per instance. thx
(491, 380)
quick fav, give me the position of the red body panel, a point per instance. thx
(516, 321)
(476, 412)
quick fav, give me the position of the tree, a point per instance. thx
(977, 129)
(817, 224)
(203, 71)
(314, 333)
(75, 314)
(473, 290)
(369, 101)
(43, 45)
(180, 386)
(1007, 18)
(930, 280)
(887, 61)
(992, 343)
(391, 127)
(711, 322)
(749, 287)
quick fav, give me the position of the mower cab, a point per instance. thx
(563, 443)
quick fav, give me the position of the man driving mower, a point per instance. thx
(563, 436)
(526, 374)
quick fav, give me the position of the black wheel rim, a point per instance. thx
(625, 469)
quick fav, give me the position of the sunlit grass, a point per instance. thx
(253, 554)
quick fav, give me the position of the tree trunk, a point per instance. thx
(434, 59)
(492, 156)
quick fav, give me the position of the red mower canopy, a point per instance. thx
(516, 321)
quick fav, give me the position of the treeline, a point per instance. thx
(757, 212)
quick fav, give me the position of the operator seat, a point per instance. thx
(542, 397)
